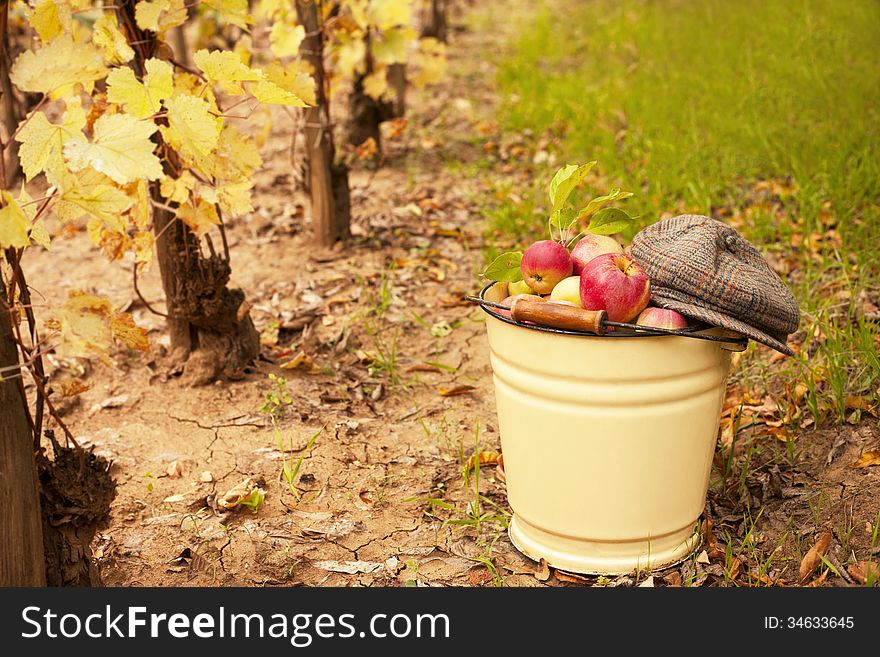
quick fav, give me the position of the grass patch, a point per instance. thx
(762, 113)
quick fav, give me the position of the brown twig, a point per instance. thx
(188, 69)
(134, 276)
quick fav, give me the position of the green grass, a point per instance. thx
(690, 105)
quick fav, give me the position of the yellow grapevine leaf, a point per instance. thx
(141, 210)
(143, 247)
(57, 67)
(39, 139)
(74, 118)
(83, 326)
(141, 99)
(126, 331)
(238, 153)
(208, 194)
(243, 48)
(225, 66)
(121, 149)
(350, 53)
(192, 129)
(386, 14)
(187, 84)
(270, 8)
(110, 41)
(26, 203)
(114, 243)
(201, 218)
(271, 94)
(89, 193)
(376, 83)
(177, 190)
(235, 198)
(430, 61)
(87, 326)
(391, 49)
(290, 85)
(285, 38)
(40, 234)
(232, 11)
(160, 15)
(14, 224)
(296, 78)
(49, 18)
(358, 11)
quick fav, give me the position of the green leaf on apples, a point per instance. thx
(600, 201)
(563, 218)
(505, 268)
(609, 221)
(564, 182)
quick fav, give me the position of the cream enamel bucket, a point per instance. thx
(607, 442)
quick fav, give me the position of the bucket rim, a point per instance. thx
(736, 344)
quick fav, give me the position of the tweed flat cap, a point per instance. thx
(705, 269)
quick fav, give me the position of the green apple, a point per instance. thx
(568, 289)
(519, 287)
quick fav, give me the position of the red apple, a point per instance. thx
(661, 318)
(614, 282)
(591, 246)
(509, 302)
(544, 264)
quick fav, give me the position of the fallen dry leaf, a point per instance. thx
(861, 571)
(367, 150)
(486, 458)
(349, 567)
(813, 557)
(572, 578)
(780, 433)
(860, 404)
(479, 576)
(174, 498)
(111, 402)
(820, 580)
(237, 493)
(457, 390)
(423, 367)
(542, 574)
(673, 579)
(714, 550)
(175, 469)
(396, 127)
(302, 360)
(867, 459)
(733, 571)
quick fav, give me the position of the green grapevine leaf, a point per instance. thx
(505, 268)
